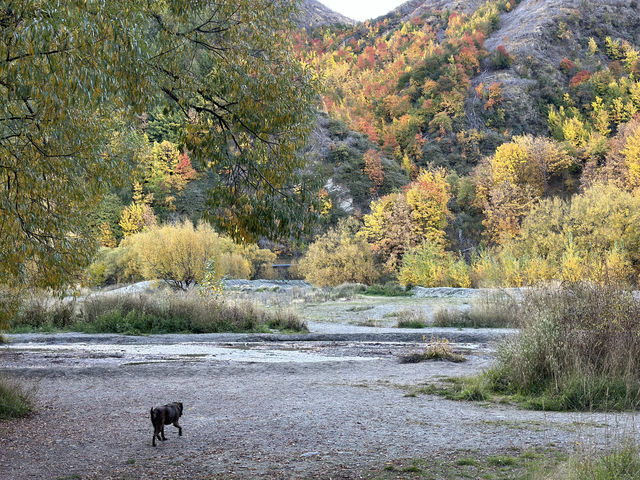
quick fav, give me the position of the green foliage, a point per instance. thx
(108, 212)
(389, 289)
(623, 463)
(73, 74)
(339, 257)
(112, 266)
(179, 255)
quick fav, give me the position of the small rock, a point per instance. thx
(310, 454)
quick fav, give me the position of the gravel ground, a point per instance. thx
(269, 409)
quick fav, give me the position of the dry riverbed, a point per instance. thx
(329, 404)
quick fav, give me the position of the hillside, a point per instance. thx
(442, 83)
(314, 13)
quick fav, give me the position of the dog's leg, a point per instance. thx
(156, 434)
(175, 424)
(162, 431)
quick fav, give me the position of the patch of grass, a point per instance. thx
(620, 464)
(390, 289)
(490, 310)
(411, 319)
(286, 320)
(502, 461)
(360, 308)
(159, 313)
(436, 349)
(508, 465)
(15, 400)
(369, 322)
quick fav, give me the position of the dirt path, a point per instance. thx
(256, 410)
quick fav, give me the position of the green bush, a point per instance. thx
(620, 464)
(411, 319)
(389, 289)
(44, 314)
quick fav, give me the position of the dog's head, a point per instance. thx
(179, 405)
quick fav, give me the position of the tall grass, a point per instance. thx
(495, 309)
(159, 313)
(579, 349)
(622, 463)
(15, 401)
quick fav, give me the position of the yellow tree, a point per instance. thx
(631, 154)
(409, 218)
(509, 183)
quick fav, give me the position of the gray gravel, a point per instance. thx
(332, 407)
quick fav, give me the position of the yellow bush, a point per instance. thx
(431, 266)
(178, 254)
(339, 257)
(233, 265)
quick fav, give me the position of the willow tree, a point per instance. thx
(76, 75)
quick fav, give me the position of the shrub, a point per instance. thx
(411, 319)
(339, 257)
(566, 65)
(490, 310)
(179, 313)
(389, 289)
(620, 464)
(436, 349)
(502, 58)
(578, 349)
(112, 266)
(177, 254)
(43, 313)
(15, 401)
(431, 266)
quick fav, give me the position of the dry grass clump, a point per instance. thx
(495, 309)
(44, 313)
(579, 349)
(411, 319)
(436, 349)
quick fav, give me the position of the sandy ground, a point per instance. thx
(328, 405)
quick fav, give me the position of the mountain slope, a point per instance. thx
(314, 14)
(443, 83)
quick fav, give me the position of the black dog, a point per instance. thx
(165, 415)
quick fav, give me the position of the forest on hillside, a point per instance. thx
(490, 199)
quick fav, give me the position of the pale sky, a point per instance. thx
(362, 9)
